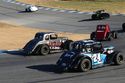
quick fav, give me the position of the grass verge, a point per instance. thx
(113, 6)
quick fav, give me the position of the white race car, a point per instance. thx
(31, 8)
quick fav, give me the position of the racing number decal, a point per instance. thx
(97, 58)
(54, 44)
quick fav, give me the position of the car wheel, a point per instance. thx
(85, 65)
(118, 59)
(26, 10)
(44, 49)
(123, 27)
(109, 36)
(94, 17)
(92, 36)
(114, 35)
(67, 44)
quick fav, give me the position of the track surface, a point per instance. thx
(15, 68)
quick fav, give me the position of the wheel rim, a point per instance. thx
(85, 65)
(45, 50)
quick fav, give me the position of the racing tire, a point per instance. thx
(44, 49)
(67, 45)
(92, 36)
(27, 10)
(123, 27)
(94, 17)
(109, 36)
(85, 65)
(114, 35)
(118, 59)
(105, 15)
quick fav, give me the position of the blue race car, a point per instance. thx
(89, 54)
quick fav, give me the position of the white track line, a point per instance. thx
(71, 11)
(40, 7)
(62, 11)
(80, 12)
(90, 13)
(12, 2)
(23, 4)
(55, 9)
(47, 8)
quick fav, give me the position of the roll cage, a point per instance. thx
(99, 11)
(88, 47)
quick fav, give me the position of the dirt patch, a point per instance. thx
(15, 37)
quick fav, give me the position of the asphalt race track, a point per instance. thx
(17, 68)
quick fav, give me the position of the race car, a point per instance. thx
(103, 32)
(46, 42)
(99, 15)
(88, 54)
(31, 8)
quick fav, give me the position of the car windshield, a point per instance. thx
(77, 46)
(97, 47)
(39, 36)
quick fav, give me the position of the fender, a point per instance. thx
(30, 46)
(110, 57)
(78, 60)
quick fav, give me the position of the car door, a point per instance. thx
(98, 58)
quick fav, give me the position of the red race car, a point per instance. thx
(103, 32)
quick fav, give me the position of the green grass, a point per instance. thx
(114, 6)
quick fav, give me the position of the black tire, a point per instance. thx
(27, 10)
(44, 49)
(114, 35)
(118, 59)
(85, 65)
(105, 15)
(123, 27)
(92, 36)
(94, 17)
(67, 44)
(109, 36)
